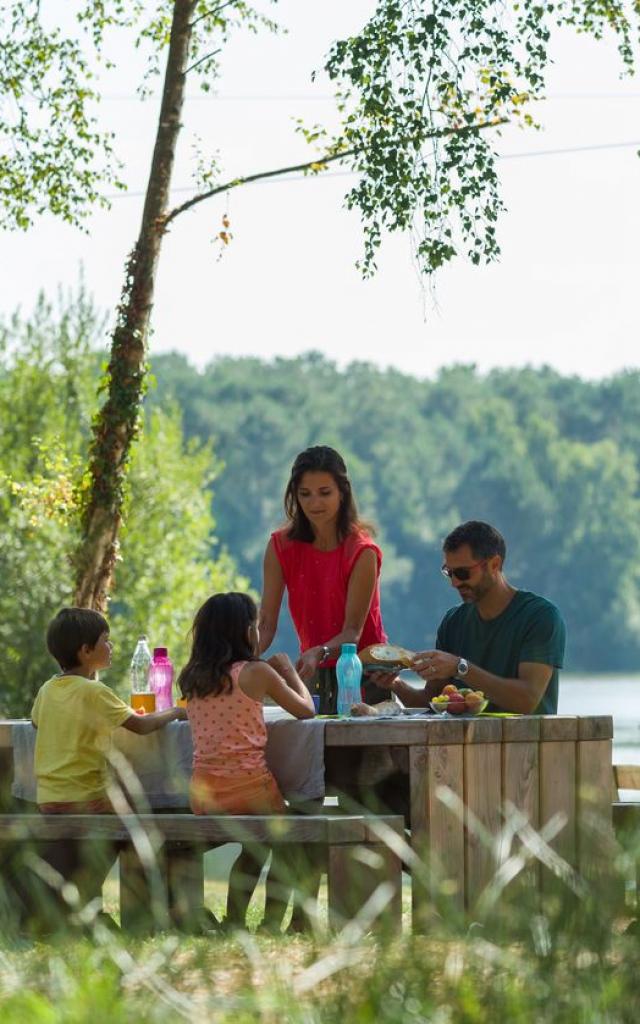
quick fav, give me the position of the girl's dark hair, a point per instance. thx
(322, 459)
(219, 636)
(70, 630)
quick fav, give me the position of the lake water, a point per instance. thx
(616, 695)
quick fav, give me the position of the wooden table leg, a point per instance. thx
(354, 873)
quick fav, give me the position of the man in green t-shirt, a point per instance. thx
(508, 643)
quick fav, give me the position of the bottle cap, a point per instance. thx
(160, 652)
(349, 648)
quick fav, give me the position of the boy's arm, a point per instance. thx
(144, 724)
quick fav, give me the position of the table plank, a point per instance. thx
(483, 802)
(521, 785)
(393, 732)
(558, 795)
(594, 810)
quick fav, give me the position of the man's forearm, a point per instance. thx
(515, 695)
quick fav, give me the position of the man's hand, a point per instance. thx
(181, 714)
(363, 710)
(435, 666)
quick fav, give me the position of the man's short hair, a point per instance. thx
(70, 630)
(483, 539)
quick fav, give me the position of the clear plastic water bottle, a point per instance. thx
(161, 678)
(349, 674)
(142, 699)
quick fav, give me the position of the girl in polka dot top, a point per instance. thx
(225, 684)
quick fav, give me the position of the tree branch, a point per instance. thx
(307, 166)
(259, 176)
(212, 12)
(202, 59)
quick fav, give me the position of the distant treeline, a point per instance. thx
(552, 461)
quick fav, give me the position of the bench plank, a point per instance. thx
(161, 871)
(270, 829)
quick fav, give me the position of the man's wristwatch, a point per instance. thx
(324, 652)
(462, 669)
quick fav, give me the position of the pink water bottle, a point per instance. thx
(161, 678)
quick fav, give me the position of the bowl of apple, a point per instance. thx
(456, 701)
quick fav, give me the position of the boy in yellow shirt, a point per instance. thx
(75, 715)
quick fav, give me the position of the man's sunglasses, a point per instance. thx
(463, 573)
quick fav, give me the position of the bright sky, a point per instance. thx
(564, 293)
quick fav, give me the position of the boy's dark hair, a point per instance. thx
(483, 539)
(219, 637)
(70, 630)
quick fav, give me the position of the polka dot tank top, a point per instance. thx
(228, 729)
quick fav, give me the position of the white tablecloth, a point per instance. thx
(161, 762)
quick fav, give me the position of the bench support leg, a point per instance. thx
(185, 878)
(354, 874)
(144, 905)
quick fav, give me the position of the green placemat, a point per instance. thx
(499, 714)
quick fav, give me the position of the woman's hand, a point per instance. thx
(307, 664)
(383, 680)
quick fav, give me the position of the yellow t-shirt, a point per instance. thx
(75, 717)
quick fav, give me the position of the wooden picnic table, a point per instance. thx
(540, 766)
(465, 774)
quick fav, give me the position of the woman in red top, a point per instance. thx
(329, 565)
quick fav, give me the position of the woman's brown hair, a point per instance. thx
(322, 459)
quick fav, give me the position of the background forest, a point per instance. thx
(551, 460)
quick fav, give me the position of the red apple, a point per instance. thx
(456, 707)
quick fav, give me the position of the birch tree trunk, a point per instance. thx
(117, 422)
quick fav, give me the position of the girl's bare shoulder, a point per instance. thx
(254, 677)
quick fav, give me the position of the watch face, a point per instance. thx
(463, 667)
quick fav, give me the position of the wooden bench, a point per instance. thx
(626, 813)
(161, 868)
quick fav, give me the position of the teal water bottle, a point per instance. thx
(348, 674)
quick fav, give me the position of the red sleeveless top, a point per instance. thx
(317, 583)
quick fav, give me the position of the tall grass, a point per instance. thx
(567, 957)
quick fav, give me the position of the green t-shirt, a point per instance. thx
(529, 629)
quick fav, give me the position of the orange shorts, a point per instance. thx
(235, 794)
(100, 806)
